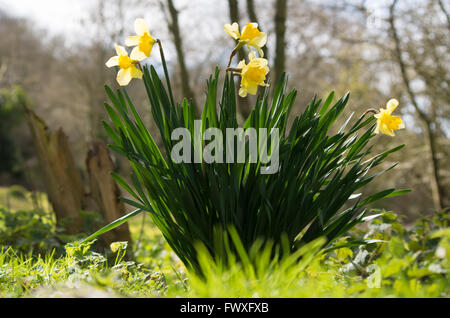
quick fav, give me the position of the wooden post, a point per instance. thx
(105, 192)
(64, 185)
(61, 177)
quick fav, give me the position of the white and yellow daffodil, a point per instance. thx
(386, 123)
(250, 35)
(128, 69)
(143, 41)
(252, 74)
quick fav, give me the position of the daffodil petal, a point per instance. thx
(259, 61)
(382, 129)
(124, 77)
(135, 72)
(260, 41)
(391, 105)
(140, 26)
(232, 30)
(245, 27)
(241, 64)
(377, 129)
(132, 40)
(401, 125)
(386, 130)
(242, 92)
(261, 53)
(120, 50)
(252, 89)
(137, 54)
(113, 61)
(251, 55)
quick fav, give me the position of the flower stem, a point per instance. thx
(233, 53)
(234, 69)
(371, 110)
(166, 73)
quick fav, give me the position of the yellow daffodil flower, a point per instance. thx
(250, 36)
(386, 123)
(143, 41)
(253, 74)
(128, 69)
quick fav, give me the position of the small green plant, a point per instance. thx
(27, 231)
(315, 190)
(35, 231)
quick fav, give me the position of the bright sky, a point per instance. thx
(57, 16)
(61, 16)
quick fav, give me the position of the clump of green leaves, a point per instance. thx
(320, 173)
(36, 230)
(412, 262)
(27, 231)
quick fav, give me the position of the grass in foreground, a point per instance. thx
(410, 263)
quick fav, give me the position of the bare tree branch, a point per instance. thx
(175, 31)
(280, 31)
(441, 5)
(244, 107)
(427, 122)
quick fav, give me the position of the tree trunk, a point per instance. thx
(436, 186)
(280, 47)
(176, 34)
(234, 17)
(61, 177)
(243, 103)
(254, 18)
(95, 96)
(105, 192)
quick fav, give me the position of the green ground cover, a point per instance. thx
(401, 262)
